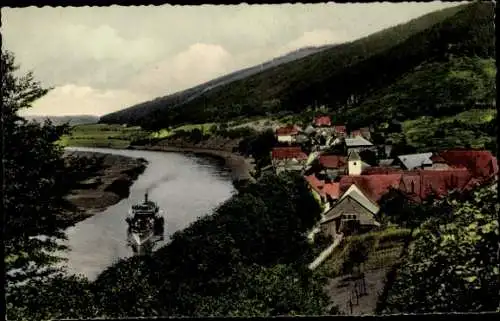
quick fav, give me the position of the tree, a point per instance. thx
(272, 291)
(60, 297)
(453, 264)
(35, 184)
(33, 197)
(369, 157)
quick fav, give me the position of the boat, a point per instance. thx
(145, 224)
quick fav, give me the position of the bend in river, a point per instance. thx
(184, 186)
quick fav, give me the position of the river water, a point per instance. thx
(184, 186)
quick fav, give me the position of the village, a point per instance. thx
(348, 177)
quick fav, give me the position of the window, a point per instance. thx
(349, 217)
(354, 163)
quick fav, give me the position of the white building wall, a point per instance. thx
(285, 139)
(355, 167)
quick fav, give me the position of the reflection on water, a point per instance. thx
(184, 186)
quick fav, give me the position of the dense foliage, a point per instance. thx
(33, 174)
(36, 180)
(355, 70)
(243, 257)
(452, 266)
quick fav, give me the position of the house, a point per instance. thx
(288, 158)
(359, 144)
(333, 166)
(373, 186)
(420, 184)
(322, 121)
(377, 170)
(287, 134)
(482, 164)
(340, 131)
(363, 132)
(413, 161)
(327, 193)
(355, 165)
(354, 212)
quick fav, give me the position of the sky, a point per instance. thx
(102, 59)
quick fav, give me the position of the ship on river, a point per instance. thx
(145, 225)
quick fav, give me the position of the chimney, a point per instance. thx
(146, 197)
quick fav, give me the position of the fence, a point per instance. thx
(358, 290)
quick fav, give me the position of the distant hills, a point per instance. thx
(360, 82)
(155, 106)
(71, 120)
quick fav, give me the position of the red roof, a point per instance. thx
(481, 164)
(322, 121)
(332, 161)
(322, 188)
(422, 183)
(332, 190)
(339, 129)
(374, 186)
(287, 130)
(288, 153)
(376, 170)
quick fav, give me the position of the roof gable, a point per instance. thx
(373, 186)
(357, 141)
(412, 161)
(423, 183)
(354, 156)
(356, 194)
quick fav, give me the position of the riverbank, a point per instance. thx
(240, 166)
(106, 181)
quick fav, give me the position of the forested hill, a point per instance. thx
(129, 115)
(342, 77)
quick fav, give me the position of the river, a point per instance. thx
(184, 186)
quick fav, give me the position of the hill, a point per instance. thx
(71, 120)
(344, 77)
(139, 111)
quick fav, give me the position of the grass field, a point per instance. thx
(421, 132)
(101, 135)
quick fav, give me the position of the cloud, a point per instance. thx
(199, 63)
(84, 55)
(77, 100)
(150, 51)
